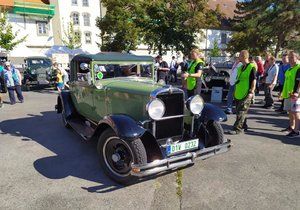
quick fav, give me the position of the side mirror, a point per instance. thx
(84, 66)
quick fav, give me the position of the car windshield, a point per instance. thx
(38, 63)
(122, 70)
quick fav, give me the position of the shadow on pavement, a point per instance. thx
(277, 123)
(72, 156)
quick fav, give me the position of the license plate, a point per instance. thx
(183, 146)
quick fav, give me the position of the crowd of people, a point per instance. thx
(249, 75)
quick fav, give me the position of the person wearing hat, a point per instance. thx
(194, 72)
(232, 81)
(12, 78)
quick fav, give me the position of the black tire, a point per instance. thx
(128, 152)
(64, 120)
(212, 133)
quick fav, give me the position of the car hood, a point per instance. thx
(135, 85)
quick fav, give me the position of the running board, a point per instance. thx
(80, 126)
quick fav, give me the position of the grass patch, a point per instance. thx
(179, 176)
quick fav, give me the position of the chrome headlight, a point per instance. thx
(156, 109)
(33, 71)
(195, 104)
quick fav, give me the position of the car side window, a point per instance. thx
(84, 73)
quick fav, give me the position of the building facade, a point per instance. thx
(82, 15)
(31, 19)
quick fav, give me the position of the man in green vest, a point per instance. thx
(244, 92)
(291, 89)
(193, 73)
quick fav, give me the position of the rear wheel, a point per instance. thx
(117, 155)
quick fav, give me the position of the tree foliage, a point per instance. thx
(161, 24)
(72, 38)
(215, 52)
(268, 25)
(8, 39)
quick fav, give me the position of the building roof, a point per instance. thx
(114, 56)
(226, 6)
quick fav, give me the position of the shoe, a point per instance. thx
(1, 105)
(279, 110)
(288, 129)
(22, 101)
(233, 132)
(228, 111)
(267, 106)
(293, 134)
(12, 103)
(283, 112)
(245, 127)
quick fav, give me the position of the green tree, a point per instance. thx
(161, 24)
(216, 50)
(8, 39)
(72, 38)
(120, 28)
(177, 24)
(268, 25)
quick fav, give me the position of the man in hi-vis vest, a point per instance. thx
(193, 73)
(244, 92)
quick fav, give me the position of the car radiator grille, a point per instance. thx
(167, 128)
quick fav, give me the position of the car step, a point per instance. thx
(81, 127)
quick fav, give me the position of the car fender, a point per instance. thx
(212, 112)
(64, 102)
(124, 126)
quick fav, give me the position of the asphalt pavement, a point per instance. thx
(46, 166)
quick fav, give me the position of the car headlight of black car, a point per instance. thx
(195, 104)
(156, 109)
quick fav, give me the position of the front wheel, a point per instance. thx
(117, 155)
(212, 133)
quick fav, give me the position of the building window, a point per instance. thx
(74, 2)
(223, 38)
(42, 28)
(86, 19)
(85, 3)
(77, 35)
(88, 37)
(75, 18)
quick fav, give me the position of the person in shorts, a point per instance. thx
(291, 90)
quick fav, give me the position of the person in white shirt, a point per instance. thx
(173, 70)
(232, 82)
(271, 80)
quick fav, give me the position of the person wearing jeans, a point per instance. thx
(13, 80)
(232, 81)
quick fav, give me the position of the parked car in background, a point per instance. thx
(37, 71)
(217, 73)
(142, 128)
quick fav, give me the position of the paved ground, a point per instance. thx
(45, 166)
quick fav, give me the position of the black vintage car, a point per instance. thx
(37, 71)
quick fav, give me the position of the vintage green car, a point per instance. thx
(142, 127)
(37, 71)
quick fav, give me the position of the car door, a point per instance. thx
(82, 88)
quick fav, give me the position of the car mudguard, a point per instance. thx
(124, 126)
(212, 112)
(64, 102)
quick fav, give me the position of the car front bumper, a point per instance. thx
(178, 161)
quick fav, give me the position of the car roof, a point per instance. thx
(113, 56)
(37, 57)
